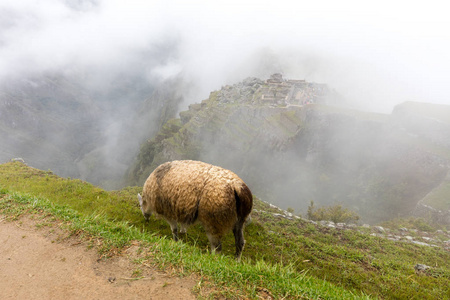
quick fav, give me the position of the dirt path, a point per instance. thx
(44, 264)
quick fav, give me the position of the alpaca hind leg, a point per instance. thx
(239, 239)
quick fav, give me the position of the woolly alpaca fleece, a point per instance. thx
(185, 192)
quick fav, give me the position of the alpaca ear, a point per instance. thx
(140, 199)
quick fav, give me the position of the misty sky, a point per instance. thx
(377, 54)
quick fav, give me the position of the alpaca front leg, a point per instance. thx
(174, 228)
(216, 244)
(183, 228)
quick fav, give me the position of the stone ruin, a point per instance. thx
(279, 91)
(275, 91)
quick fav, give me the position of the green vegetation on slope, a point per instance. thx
(288, 257)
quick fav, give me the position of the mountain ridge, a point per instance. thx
(373, 163)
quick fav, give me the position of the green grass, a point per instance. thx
(290, 258)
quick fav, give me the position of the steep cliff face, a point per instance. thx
(291, 153)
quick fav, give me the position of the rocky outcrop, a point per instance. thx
(430, 238)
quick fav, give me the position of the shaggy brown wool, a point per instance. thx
(187, 191)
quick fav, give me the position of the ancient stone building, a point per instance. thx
(279, 91)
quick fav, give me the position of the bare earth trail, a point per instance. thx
(36, 263)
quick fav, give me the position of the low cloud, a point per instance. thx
(377, 55)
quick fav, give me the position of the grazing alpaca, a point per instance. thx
(184, 192)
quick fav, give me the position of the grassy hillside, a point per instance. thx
(289, 258)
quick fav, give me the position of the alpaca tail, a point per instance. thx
(244, 201)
